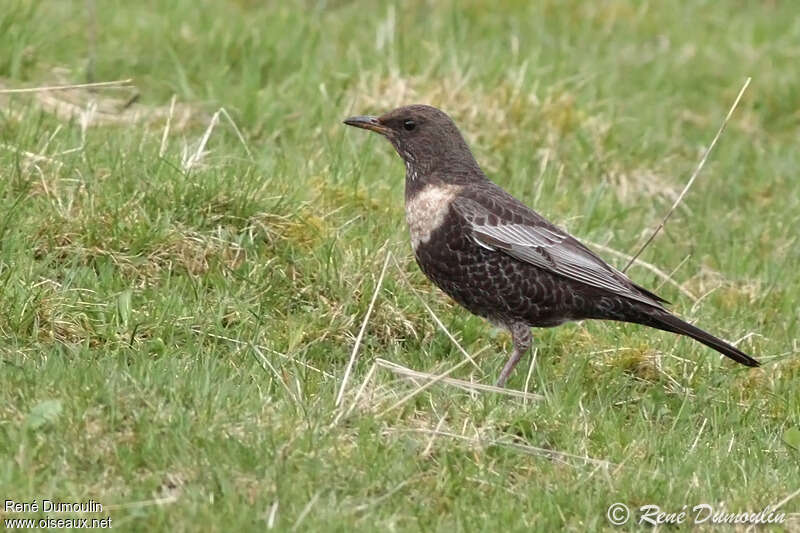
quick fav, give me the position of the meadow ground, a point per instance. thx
(179, 297)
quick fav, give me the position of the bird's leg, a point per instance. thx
(521, 337)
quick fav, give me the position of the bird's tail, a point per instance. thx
(673, 324)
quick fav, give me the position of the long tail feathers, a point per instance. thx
(674, 324)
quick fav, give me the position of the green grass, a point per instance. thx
(173, 339)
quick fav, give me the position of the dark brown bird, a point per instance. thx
(497, 257)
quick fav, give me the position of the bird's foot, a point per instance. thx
(521, 337)
(508, 368)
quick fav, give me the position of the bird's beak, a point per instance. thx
(367, 123)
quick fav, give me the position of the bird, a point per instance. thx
(500, 259)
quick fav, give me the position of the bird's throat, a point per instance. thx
(412, 173)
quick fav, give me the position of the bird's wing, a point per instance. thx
(548, 248)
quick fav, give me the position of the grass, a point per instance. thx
(173, 336)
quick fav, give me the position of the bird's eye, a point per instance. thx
(409, 125)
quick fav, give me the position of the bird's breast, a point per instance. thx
(427, 209)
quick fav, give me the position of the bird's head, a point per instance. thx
(425, 137)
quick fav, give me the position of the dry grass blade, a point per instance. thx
(266, 365)
(436, 318)
(359, 393)
(699, 433)
(564, 457)
(357, 345)
(786, 499)
(307, 509)
(384, 497)
(237, 131)
(94, 106)
(190, 161)
(672, 273)
(530, 373)
(555, 454)
(142, 503)
(652, 268)
(694, 175)
(165, 135)
(97, 85)
(35, 158)
(427, 451)
(427, 385)
(465, 385)
(275, 352)
(273, 513)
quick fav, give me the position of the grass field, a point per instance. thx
(179, 302)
